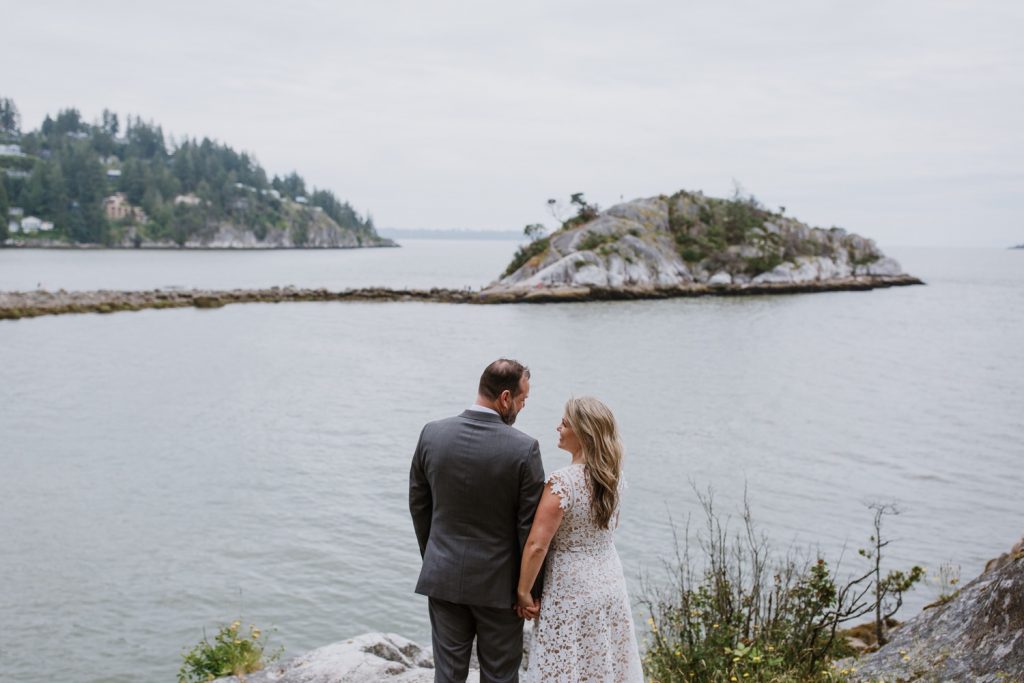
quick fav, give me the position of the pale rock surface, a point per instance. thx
(883, 266)
(720, 278)
(369, 657)
(977, 636)
(633, 245)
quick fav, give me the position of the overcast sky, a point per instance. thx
(899, 120)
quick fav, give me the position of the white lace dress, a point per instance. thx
(585, 629)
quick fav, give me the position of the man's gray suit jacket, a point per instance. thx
(474, 486)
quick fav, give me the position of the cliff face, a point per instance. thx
(690, 239)
(976, 636)
(314, 231)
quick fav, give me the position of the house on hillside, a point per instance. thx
(14, 215)
(11, 151)
(31, 225)
(188, 199)
(117, 207)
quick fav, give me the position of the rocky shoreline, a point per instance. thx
(977, 634)
(188, 246)
(15, 305)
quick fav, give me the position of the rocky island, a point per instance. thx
(689, 243)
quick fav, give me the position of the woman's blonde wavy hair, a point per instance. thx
(595, 427)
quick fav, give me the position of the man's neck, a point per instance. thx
(484, 407)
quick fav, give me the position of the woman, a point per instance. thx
(584, 629)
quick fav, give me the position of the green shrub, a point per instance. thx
(763, 263)
(230, 654)
(593, 240)
(525, 253)
(747, 614)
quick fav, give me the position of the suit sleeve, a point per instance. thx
(531, 486)
(421, 501)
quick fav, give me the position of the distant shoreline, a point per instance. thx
(16, 305)
(161, 247)
(452, 234)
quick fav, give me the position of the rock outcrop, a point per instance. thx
(977, 636)
(689, 240)
(306, 228)
(1016, 552)
(369, 657)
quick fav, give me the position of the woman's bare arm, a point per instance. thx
(545, 523)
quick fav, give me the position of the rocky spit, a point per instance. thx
(14, 305)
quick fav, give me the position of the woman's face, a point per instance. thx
(567, 439)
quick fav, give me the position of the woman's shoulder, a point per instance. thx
(563, 482)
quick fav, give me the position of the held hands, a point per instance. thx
(526, 607)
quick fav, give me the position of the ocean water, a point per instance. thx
(166, 471)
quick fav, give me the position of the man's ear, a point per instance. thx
(506, 395)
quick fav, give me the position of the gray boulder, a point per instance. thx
(369, 657)
(976, 636)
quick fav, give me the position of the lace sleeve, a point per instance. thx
(561, 487)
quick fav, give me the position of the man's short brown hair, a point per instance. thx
(500, 375)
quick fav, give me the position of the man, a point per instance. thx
(473, 488)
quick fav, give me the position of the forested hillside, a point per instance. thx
(111, 183)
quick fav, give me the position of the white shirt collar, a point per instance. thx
(484, 409)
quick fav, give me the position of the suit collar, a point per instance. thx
(481, 416)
